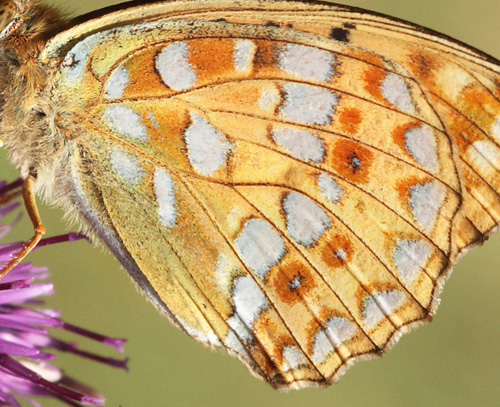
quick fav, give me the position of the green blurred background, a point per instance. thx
(455, 361)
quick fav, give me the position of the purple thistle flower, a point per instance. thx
(25, 368)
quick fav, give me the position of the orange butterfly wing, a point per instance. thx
(295, 192)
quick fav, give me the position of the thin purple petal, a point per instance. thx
(6, 188)
(24, 323)
(17, 350)
(27, 293)
(111, 342)
(18, 369)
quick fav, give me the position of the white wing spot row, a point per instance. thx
(337, 331)
(330, 189)
(165, 195)
(293, 358)
(301, 144)
(422, 146)
(411, 257)
(209, 337)
(309, 104)
(118, 83)
(307, 63)
(127, 167)
(426, 201)
(306, 221)
(127, 122)
(380, 305)
(174, 67)
(249, 302)
(244, 53)
(260, 246)
(270, 98)
(207, 147)
(396, 92)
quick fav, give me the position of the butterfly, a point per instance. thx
(289, 181)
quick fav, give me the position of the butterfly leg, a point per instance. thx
(32, 209)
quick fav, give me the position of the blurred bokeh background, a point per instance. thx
(455, 361)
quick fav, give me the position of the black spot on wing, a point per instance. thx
(340, 34)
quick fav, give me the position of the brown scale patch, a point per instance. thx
(443, 261)
(262, 326)
(360, 206)
(144, 80)
(350, 119)
(399, 133)
(214, 64)
(293, 283)
(374, 78)
(477, 104)
(337, 251)
(461, 130)
(370, 59)
(361, 296)
(374, 288)
(424, 65)
(269, 133)
(264, 323)
(458, 128)
(394, 236)
(326, 314)
(312, 329)
(497, 87)
(283, 98)
(167, 127)
(273, 24)
(294, 175)
(265, 56)
(351, 161)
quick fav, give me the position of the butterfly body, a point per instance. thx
(306, 174)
